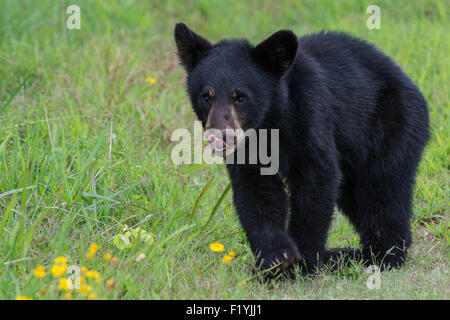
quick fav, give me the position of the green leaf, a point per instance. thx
(122, 242)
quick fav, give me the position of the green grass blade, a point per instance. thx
(214, 210)
(199, 198)
(15, 93)
(6, 216)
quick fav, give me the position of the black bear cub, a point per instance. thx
(352, 128)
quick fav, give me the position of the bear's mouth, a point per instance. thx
(226, 142)
(216, 143)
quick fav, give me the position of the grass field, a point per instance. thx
(85, 152)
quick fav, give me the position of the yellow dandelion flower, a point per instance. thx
(92, 250)
(84, 289)
(43, 291)
(227, 259)
(232, 254)
(107, 257)
(150, 80)
(115, 261)
(61, 260)
(23, 298)
(65, 284)
(92, 274)
(83, 270)
(39, 272)
(68, 296)
(90, 255)
(58, 270)
(243, 283)
(216, 247)
(110, 284)
(92, 296)
(82, 280)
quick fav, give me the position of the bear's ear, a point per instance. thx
(276, 53)
(191, 47)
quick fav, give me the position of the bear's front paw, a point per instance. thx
(282, 257)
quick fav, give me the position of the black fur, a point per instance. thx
(352, 130)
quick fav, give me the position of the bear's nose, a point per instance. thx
(219, 117)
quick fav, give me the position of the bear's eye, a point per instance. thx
(206, 98)
(241, 98)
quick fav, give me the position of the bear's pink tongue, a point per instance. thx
(217, 143)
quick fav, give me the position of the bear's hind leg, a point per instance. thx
(383, 216)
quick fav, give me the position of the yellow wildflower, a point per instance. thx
(115, 261)
(150, 80)
(43, 291)
(107, 257)
(227, 259)
(110, 284)
(23, 298)
(243, 283)
(83, 270)
(92, 274)
(92, 296)
(65, 284)
(39, 272)
(231, 254)
(85, 289)
(60, 260)
(68, 296)
(92, 250)
(58, 270)
(216, 247)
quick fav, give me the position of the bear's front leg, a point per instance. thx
(313, 192)
(261, 204)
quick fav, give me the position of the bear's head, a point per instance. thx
(234, 85)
